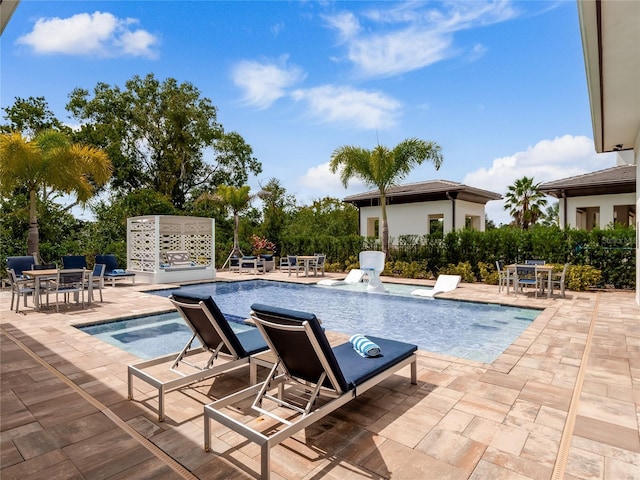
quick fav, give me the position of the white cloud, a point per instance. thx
(98, 34)
(413, 35)
(359, 108)
(264, 83)
(320, 182)
(548, 160)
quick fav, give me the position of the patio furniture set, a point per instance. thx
(28, 277)
(533, 274)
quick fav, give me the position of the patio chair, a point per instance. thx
(66, 282)
(20, 287)
(534, 262)
(355, 276)
(234, 264)
(45, 282)
(18, 264)
(74, 261)
(503, 275)
(318, 265)
(217, 338)
(527, 276)
(312, 378)
(292, 264)
(558, 279)
(97, 280)
(111, 270)
(444, 283)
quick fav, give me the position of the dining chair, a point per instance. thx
(68, 281)
(534, 262)
(97, 280)
(19, 288)
(503, 276)
(527, 276)
(558, 279)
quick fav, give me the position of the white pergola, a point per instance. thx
(611, 43)
(149, 236)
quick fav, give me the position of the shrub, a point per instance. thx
(462, 268)
(488, 274)
(581, 277)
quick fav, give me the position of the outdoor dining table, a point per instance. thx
(38, 275)
(306, 260)
(511, 270)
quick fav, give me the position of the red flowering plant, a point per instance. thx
(261, 245)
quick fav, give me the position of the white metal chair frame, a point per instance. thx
(19, 287)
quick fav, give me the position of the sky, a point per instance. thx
(499, 85)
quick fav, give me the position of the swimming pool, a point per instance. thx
(464, 329)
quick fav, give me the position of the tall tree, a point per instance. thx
(525, 202)
(30, 116)
(163, 136)
(236, 200)
(49, 163)
(382, 168)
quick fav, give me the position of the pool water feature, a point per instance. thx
(471, 330)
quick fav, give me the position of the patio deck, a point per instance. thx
(563, 401)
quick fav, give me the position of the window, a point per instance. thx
(472, 222)
(436, 224)
(373, 227)
(588, 218)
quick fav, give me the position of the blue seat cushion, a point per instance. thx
(252, 341)
(357, 369)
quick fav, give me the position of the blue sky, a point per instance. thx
(501, 85)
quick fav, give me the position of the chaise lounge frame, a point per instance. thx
(216, 337)
(276, 324)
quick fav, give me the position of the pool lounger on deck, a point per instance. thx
(355, 276)
(444, 283)
(318, 378)
(212, 329)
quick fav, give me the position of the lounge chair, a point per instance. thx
(444, 283)
(111, 270)
(216, 337)
(354, 276)
(318, 379)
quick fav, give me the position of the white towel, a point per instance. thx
(364, 346)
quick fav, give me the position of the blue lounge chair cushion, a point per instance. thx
(357, 369)
(349, 368)
(245, 343)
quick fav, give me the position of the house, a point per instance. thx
(423, 208)
(611, 45)
(596, 199)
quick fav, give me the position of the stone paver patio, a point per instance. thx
(563, 401)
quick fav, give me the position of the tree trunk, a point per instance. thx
(384, 231)
(33, 235)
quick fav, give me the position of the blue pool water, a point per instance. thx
(464, 329)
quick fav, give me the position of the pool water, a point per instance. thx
(152, 335)
(469, 330)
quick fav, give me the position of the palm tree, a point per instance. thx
(525, 202)
(382, 168)
(49, 163)
(235, 199)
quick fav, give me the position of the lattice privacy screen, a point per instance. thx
(149, 236)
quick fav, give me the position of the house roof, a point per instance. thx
(620, 179)
(429, 191)
(611, 45)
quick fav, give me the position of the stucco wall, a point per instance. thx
(412, 218)
(604, 202)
